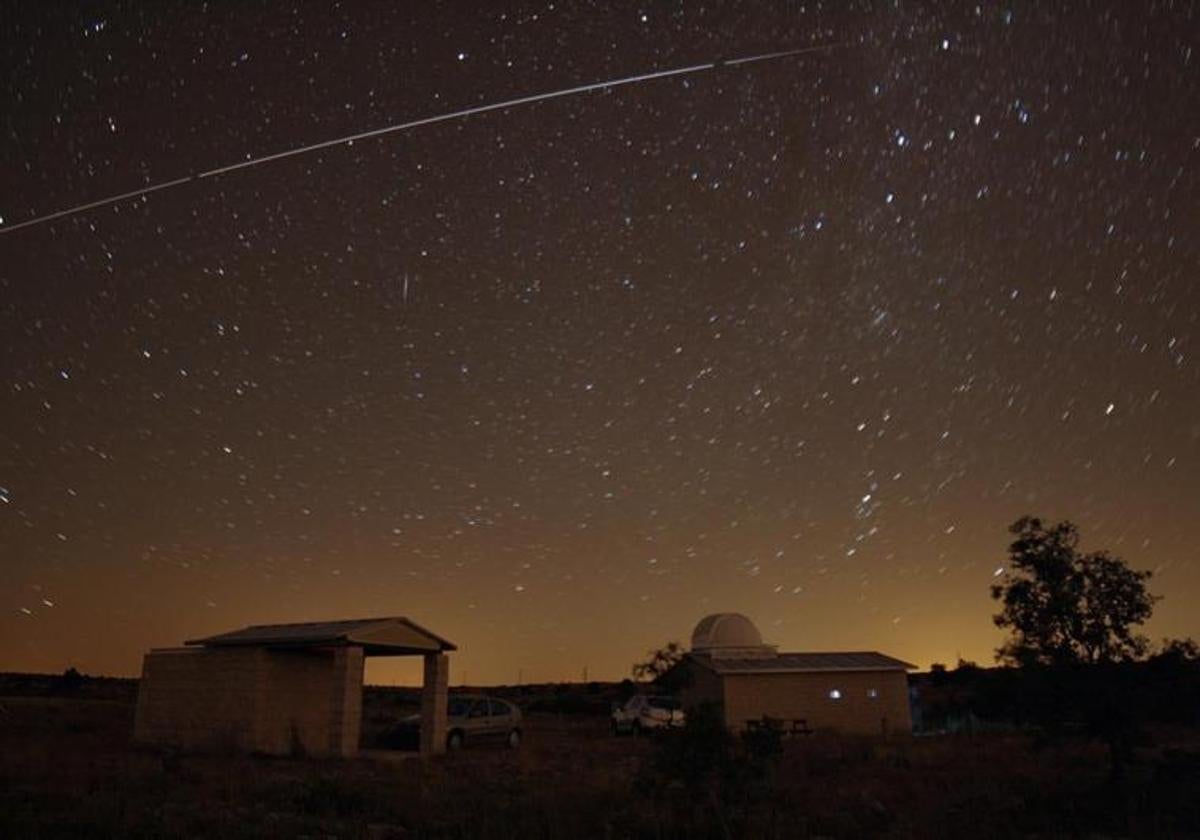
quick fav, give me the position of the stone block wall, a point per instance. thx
(194, 699)
(252, 700)
(311, 702)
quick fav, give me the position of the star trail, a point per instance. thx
(405, 126)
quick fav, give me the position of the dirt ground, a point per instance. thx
(68, 769)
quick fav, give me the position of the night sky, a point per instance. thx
(797, 338)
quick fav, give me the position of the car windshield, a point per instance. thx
(668, 703)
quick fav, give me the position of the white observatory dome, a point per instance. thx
(729, 635)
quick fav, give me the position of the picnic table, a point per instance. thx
(785, 726)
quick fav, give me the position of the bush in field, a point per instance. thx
(705, 757)
(728, 781)
(699, 753)
(70, 682)
(334, 794)
(762, 747)
(1175, 673)
(567, 700)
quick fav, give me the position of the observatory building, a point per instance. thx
(730, 666)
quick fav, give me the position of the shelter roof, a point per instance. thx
(390, 636)
(795, 663)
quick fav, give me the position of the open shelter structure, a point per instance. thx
(283, 689)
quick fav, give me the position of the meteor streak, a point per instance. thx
(405, 126)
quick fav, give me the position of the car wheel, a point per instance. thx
(514, 738)
(454, 741)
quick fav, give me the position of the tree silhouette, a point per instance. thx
(1072, 617)
(1064, 607)
(1179, 651)
(658, 662)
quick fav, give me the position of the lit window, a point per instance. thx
(835, 694)
(873, 693)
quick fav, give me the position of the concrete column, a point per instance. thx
(434, 700)
(345, 711)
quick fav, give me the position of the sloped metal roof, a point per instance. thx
(393, 635)
(795, 663)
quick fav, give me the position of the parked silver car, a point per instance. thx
(646, 713)
(474, 718)
(470, 719)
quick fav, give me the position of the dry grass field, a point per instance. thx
(67, 769)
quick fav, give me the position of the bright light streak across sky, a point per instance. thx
(405, 126)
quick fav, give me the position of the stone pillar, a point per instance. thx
(434, 700)
(345, 710)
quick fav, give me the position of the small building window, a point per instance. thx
(835, 694)
(873, 693)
